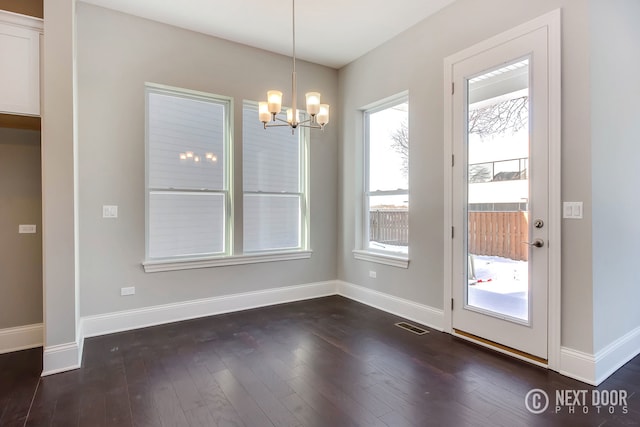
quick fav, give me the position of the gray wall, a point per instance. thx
(117, 54)
(413, 61)
(615, 125)
(59, 179)
(20, 203)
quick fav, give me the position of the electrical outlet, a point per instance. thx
(109, 211)
(372, 274)
(131, 290)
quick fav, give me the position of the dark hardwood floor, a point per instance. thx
(324, 362)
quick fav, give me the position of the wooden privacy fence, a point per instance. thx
(490, 233)
(499, 234)
(390, 227)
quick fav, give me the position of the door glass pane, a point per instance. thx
(498, 192)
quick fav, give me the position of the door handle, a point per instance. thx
(538, 243)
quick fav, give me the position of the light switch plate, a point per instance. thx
(130, 290)
(109, 211)
(27, 228)
(572, 210)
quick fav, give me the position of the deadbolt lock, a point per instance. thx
(538, 223)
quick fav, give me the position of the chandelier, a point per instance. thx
(268, 110)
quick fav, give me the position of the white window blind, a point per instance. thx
(187, 138)
(273, 184)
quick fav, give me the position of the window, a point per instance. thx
(274, 184)
(188, 200)
(386, 189)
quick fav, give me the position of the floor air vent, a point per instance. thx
(411, 328)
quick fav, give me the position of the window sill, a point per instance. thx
(377, 257)
(173, 264)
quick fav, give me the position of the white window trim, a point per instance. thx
(381, 258)
(154, 266)
(391, 258)
(228, 159)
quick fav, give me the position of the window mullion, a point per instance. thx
(274, 193)
(399, 191)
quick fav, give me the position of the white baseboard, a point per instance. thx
(578, 365)
(420, 313)
(594, 369)
(20, 338)
(108, 323)
(156, 315)
(62, 357)
(615, 355)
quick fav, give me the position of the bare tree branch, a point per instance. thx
(511, 115)
(401, 145)
(479, 173)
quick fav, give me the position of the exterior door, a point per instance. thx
(500, 188)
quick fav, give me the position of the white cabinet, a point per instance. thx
(19, 64)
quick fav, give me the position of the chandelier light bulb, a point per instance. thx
(274, 101)
(263, 111)
(323, 114)
(313, 103)
(290, 118)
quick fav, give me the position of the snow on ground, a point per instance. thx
(500, 285)
(402, 250)
(507, 275)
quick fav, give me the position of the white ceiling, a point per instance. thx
(328, 32)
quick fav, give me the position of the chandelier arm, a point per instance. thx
(311, 126)
(299, 125)
(309, 120)
(275, 125)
